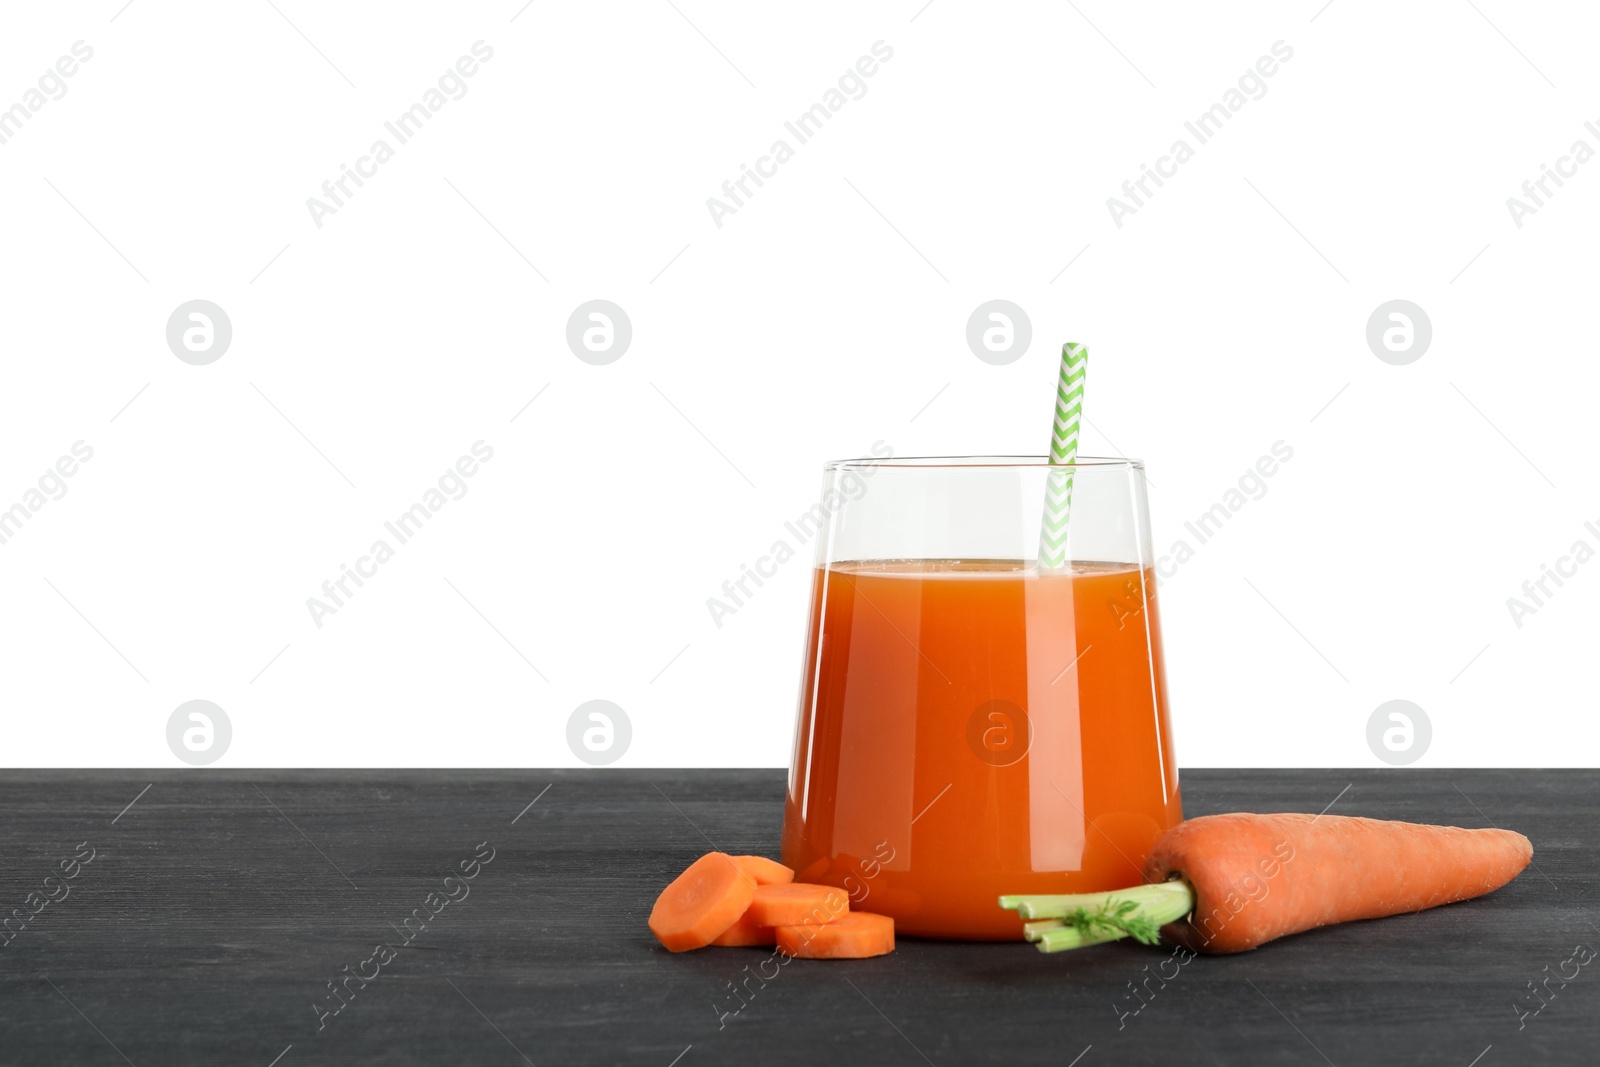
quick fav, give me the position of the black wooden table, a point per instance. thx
(208, 921)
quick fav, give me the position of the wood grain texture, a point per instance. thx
(220, 904)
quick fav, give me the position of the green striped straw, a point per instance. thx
(1063, 450)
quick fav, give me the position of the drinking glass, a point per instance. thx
(970, 724)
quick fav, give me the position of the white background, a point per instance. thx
(828, 313)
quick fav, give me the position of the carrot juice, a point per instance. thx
(969, 728)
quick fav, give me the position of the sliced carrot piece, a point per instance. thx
(764, 871)
(746, 932)
(852, 936)
(791, 905)
(701, 903)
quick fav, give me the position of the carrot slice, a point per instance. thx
(791, 905)
(701, 903)
(745, 932)
(852, 936)
(764, 871)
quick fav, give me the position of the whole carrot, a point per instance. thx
(1227, 883)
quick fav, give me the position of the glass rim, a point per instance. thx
(997, 462)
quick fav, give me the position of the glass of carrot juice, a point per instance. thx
(971, 724)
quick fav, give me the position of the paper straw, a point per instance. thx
(1063, 450)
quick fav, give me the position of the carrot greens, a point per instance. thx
(1075, 920)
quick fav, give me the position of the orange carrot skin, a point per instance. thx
(764, 871)
(1260, 877)
(855, 935)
